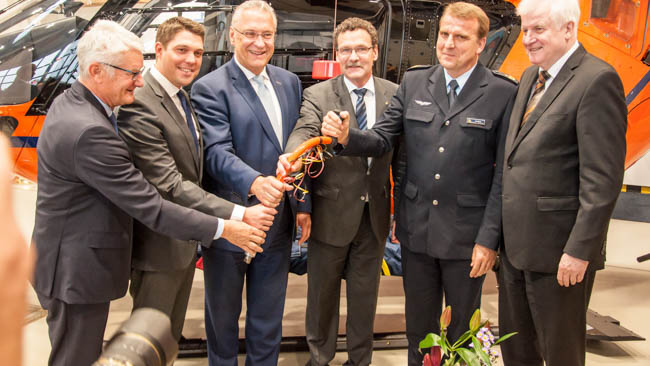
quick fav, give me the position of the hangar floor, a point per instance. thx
(622, 291)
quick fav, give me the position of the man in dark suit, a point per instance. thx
(453, 117)
(350, 202)
(88, 193)
(247, 110)
(563, 170)
(167, 147)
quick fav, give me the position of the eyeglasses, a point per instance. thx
(252, 35)
(360, 51)
(134, 74)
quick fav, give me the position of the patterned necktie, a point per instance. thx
(453, 85)
(267, 101)
(113, 121)
(537, 94)
(188, 117)
(360, 108)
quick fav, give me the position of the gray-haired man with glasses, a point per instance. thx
(89, 192)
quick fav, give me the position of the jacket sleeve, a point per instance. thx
(601, 123)
(109, 170)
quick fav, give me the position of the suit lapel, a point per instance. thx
(174, 114)
(278, 87)
(472, 90)
(519, 108)
(438, 89)
(244, 87)
(557, 85)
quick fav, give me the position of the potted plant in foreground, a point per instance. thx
(479, 337)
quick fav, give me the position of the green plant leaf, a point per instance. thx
(429, 341)
(478, 349)
(475, 321)
(469, 357)
(504, 337)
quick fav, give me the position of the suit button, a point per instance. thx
(437, 176)
(441, 149)
(363, 198)
(435, 202)
(446, 123)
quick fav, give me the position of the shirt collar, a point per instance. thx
(461, 80)
(369, 85)
(557, 66)
(249, 74)
(169, 88)
(107, 109)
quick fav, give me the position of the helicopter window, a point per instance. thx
(615, 17)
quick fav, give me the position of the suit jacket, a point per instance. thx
(88, 192)
(339, 192)
(239, 141)
(564, 169)
(163, 148)
(450, 194)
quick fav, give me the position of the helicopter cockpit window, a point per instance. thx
(615, 17)
(37, 46)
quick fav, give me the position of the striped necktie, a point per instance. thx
(537, 94)
(360, 108)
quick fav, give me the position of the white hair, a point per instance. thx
(105, 42)
(560, 12)
(253, 4)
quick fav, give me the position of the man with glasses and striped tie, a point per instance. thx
(453, 118)
(350, 202)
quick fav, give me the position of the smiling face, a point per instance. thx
(253, 54)
(180, 60)
(458, 46)
(117, 88)
(545, 42)
(357, 67)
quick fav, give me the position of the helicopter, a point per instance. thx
(38, 48)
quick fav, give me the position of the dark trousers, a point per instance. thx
(266, 285)
(550, 319)
(359, 262)
(426, 279)
(76, 331)
(167, 291)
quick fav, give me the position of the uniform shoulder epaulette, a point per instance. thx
(505, 76)
(419, 67)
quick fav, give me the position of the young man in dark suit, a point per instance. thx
(161, 131)
(247, 109)
(563, 170)
(88, 194)
(453, 118)
(350, 202)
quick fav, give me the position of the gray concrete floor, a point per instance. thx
(621, 291)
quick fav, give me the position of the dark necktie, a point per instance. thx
(113, 121)
(537, 94)
(188, 117)
(360, 109)
(453, 84)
